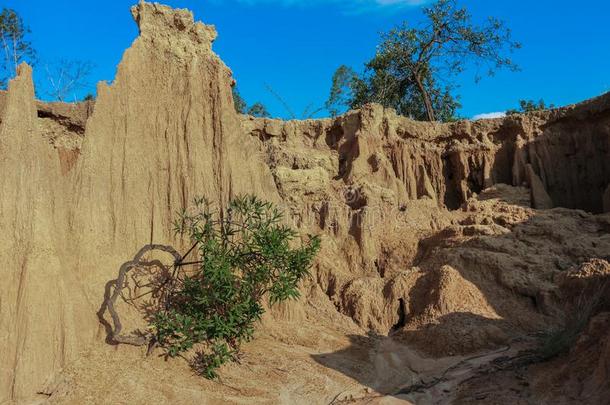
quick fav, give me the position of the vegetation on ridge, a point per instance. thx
(526, 106)
(413, 67)
(257, 109)
(15, 48)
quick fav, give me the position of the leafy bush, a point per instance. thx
(245, 254)
(527, 106)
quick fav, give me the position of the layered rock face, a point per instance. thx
(72, 212)
(433, 232)
(34, 304)
(563, 155)
(390, 190)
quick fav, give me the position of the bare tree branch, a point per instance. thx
(66, 77)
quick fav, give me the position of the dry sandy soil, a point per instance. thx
(451, 253)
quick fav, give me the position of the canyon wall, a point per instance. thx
(84, 188)
(73, 210)
(381, 184)
(564, 153)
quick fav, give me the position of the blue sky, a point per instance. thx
(294, 46)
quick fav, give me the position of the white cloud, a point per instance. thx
(487, 116)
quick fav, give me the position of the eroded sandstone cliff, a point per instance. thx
(441, 235)
(69, 220)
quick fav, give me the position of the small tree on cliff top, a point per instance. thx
(15, 49)
(245, 254)
(65, 78)
(527, 106)
(257, 109)
(412, 69)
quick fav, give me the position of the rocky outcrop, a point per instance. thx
(360, 175)
(67, 228)
(380, 175)
(452, 162)
(37, 316)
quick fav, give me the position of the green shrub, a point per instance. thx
(245, 254)
(527, 106)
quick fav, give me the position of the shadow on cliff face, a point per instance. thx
(386, 364)
(569, 153)
(375, 361)
(378, 362)
(141, 287)
(572, 158)
(487, 282)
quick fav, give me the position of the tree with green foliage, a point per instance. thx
(238, 101)
(345, 83)
(526, 106)
(246, 255)
(16, 49)
(413, 68)
(257, 109)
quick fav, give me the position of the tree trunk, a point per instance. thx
(425, 97)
